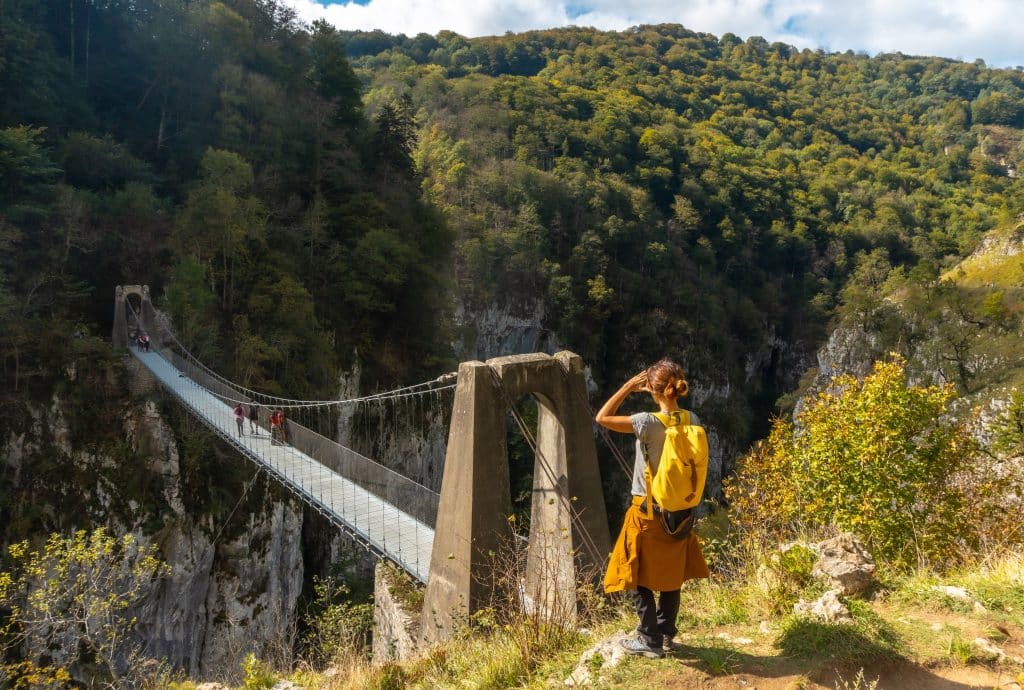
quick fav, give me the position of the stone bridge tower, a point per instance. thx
(120, 335)
(472, 520)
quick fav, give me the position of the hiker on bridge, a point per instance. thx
(657, 549)
(277, 433)
(254, 419)
(239, 413)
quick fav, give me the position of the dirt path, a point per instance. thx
(892, 676)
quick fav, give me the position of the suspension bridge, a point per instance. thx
(446, 540)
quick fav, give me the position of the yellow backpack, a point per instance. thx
(683, 467)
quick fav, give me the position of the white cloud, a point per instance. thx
(989, 29)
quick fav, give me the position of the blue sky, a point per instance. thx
(992, 30)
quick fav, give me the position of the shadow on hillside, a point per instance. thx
(824, 653)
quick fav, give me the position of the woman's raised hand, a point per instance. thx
(639, 382)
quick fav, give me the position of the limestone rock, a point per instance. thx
(609, 650)
(988, 651)
(954, 592)
(844, 562)
(251, 600)
(395, 628)
(828, 608)
(287, 685)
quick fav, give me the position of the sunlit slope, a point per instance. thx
(998, 261)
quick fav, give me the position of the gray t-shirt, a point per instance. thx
(651, 433)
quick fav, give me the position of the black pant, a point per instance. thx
(656, 621)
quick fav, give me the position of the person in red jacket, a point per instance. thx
(277, 427)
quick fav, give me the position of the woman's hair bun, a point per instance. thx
(668, 378)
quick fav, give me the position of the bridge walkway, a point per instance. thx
(380, 525)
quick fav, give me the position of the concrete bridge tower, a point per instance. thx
(472, 522)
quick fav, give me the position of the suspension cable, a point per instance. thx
(336, 403)
(602, 431)
(227, 520)
(404, 391)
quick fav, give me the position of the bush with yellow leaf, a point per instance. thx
(69, 607)
(879, 458)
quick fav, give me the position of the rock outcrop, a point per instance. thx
(235, 577)
(395, 622)
(845, 564)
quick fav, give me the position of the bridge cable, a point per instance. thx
(227, 520)
(602, 431)
(403, 391)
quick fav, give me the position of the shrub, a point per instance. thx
(876, 457)
(337, 626)
(257, 674)
(70, 606)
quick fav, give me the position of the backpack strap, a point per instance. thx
(675, 419)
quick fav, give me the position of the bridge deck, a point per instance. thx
(386, 529)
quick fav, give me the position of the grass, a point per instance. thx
(717, 658)
(998, 584)
(960, 650)
(858, 682)
(912, 624)
(992, 266)
(868, 638)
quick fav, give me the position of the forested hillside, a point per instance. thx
(665, 190)
(221, 154)
(655, 190)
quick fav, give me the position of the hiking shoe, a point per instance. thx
(637, 647)
(670, 645)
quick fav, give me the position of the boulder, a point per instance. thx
(604, 655)
(828, 608)
(845, 564)
(986, 651)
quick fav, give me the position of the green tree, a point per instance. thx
(221, 225)
(1009, 437)
(193, 307)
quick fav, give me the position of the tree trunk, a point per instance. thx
(160, 129)
(88, 37)
(71, 36)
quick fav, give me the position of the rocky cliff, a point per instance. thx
(232, 541)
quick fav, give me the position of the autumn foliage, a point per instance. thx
(882, 459)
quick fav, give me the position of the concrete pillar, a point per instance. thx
(148, 315)
(472, 517)
(119, 331)
(564, 551)
(475, 499)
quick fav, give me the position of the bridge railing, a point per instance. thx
(413, 498)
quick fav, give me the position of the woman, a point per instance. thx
(646, 559)
(239, 413)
